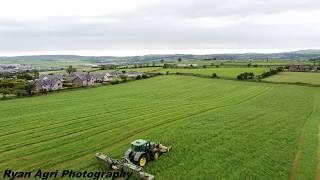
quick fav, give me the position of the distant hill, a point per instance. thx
(294, 55)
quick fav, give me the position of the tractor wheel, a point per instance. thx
(143, 160)
(156, 155)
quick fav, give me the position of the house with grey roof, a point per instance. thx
(49, 83)
(98, 78)
(82, 79)
(58, 76)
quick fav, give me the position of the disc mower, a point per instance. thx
(136, 157)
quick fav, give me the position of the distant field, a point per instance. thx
(218, 129)
(148, 69)
(296, 77)
(222, 72)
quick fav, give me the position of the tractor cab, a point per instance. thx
(140, 145)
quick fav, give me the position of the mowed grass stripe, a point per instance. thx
(97, 128)
(67, 122)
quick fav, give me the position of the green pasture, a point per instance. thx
(221, 72)
(218, 129)
(296, 77)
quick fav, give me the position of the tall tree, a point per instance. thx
(70, 70)
(30, 87)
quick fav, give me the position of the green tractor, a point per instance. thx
(142, 151)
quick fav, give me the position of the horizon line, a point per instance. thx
(146, 52)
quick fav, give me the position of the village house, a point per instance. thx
(48, 83)
(299, 68)
(112, 75)
(187, 65)
(57, 76)
(99, 78)
(296, 67)
(83, 79)
(134, 74)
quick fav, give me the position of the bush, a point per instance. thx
(115, 82)
(21, 93)
(271, 72)
(138, 77)
(245, 76)
(144, 76)
(214, 75)
(68, 85)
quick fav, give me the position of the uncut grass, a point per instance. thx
(296, 77)
(218, 129)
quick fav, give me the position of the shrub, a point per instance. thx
(138, 77)
(115, 82)
(271, 72)
(245, 76)
(21, 93)
(214, 75)
(68, 85)
(144, 76)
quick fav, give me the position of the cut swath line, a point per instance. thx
(295, 162)
(318, 156)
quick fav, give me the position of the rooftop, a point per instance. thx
(139, 142)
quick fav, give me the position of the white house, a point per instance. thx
(134, 74)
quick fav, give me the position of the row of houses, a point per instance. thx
(56, 82)
(302, 68)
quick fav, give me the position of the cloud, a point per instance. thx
(98, 25)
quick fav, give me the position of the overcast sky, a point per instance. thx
(136, 27)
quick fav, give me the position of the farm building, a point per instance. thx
(48, 83)
(299, 68)
(187, 65)
(83, 79)
(112, 75)
(134, 74)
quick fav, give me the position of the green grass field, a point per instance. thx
(221, 72)
(147, 69)
(219, 129)
(296, 77)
